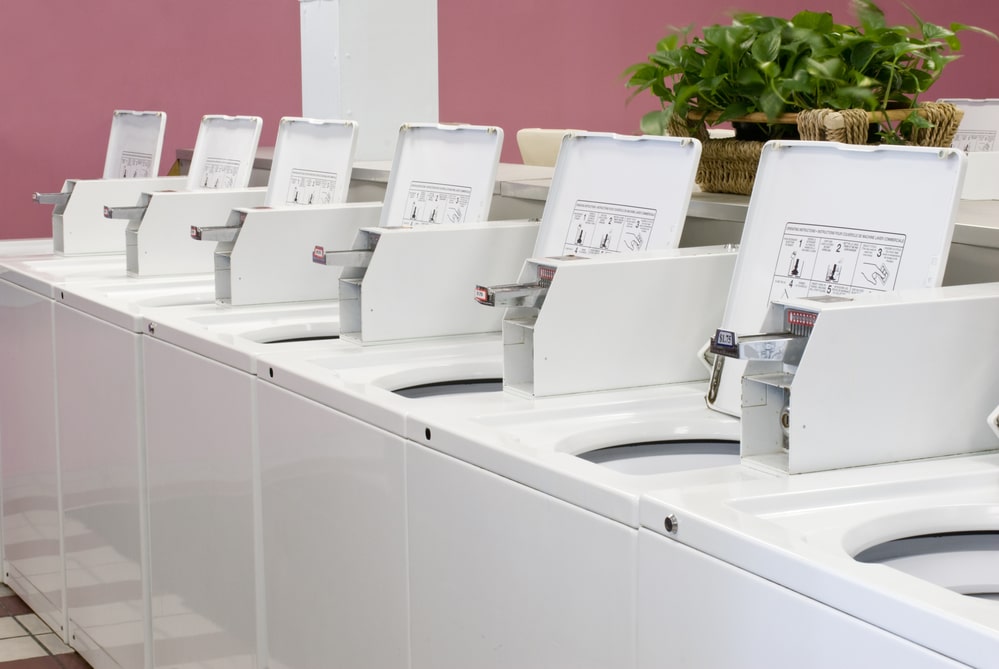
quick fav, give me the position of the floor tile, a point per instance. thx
(53, 643)
(13, 606)
(9, 628)
(5, 591)
(20, 648)
(46, 662)
(33, 624)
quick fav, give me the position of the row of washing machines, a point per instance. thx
(264, 428)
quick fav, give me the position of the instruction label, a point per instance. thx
(220, 173)
(974, 140)
(826, 260)
(135, 165)
(432, 203)
(311, 187)
(602, 227)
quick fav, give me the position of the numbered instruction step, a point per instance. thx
(602, 227)
(826, 260)
(432, 203)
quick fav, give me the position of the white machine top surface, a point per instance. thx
(615, 193)
(802, 532)
(237, 336)
(532, 441)
(43, 274)
(312, 162)
(18, 248)
(442, 174)
(224, 152)
(135, 144)
(123, 301)
(837, 219)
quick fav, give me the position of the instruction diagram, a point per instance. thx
(974, 140)
(826, 260)
(135, 165)
(311, 187)
(432, 203)
(601, 227)
(220, 173)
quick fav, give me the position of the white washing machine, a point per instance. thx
(33, 556)
(33, 517)
(199, 390)
(332, 448)
(876, 566)
(101, 418)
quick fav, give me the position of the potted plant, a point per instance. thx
(762, 72)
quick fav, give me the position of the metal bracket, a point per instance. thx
(354, 258)
(58, 199)
(531, 295)
(220, 233)
(130, 213)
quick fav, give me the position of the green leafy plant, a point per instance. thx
(763, 67)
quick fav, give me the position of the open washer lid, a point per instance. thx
(979, 126)
(224, 152)
(312, 162)
(837, 219)
(592, 210)
(442, 174)
(135, 145)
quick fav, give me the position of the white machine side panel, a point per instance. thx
(654, 317)
(224, 152)
(82, 228)
(270, 261)
(29, 484)
(504, 576)
(164, 243)
(617, 194)
(442, 174)
(102, 482)
(334, 537)
(135, 145)
(825, 187)
(697, 611)
(200, 464)
(312, 162)
(421, 283)
(885, 410)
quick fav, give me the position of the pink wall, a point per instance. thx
(558, 63)
(65, 66)
(516, 63)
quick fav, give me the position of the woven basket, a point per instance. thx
(729, 165)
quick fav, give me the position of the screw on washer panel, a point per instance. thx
(785, 419)
(671, 524)
(152, 328)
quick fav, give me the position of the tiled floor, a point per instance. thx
(25, 641)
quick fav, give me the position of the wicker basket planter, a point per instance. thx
(729, 165)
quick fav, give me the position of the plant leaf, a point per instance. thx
(872, 19)
(767, 46)
(771, 104)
